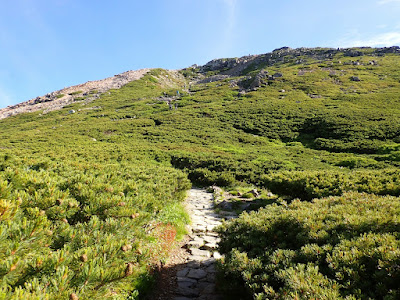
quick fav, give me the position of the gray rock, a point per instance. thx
(211, 277)
(208, 262)
(211, 239)
(196, 244)
(355, 78)
(206, 288)
(211, 269)
(187, 291)
(225, 205)
(210, 246)
(216, 255)
(198, 252)
(194, 263)
(197, 273)
(198, 258)
(211, 227)
(254, 192)
(186, 281)
(200, 228)
(183, 272)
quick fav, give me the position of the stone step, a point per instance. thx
(197, 279)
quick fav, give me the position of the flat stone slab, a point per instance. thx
(208, 262)
(210, 246)
(198, 259)
(196, 243)
(211, 227)
(216, 255)
(199, 228)
(186, 281)
(189, 292)
(211, 239)
(197, 274)
(182, 273)
(198, 252)
(211, 269)
(194, 264)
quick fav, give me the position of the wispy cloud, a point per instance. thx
(5, 98)
(229, 24)
(231, 9)
(379, 40)
(382, 2)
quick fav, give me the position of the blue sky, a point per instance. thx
(46, 45)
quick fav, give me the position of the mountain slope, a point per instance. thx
(302, 123)
(59, 99)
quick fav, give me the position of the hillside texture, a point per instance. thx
(91, 189)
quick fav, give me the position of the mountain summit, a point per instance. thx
(220, 69)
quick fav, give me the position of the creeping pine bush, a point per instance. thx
(83, 229)
(345, 247)
(307, 185)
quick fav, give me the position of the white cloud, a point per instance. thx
(231, 15)
(228, 31)
(380, 40)
(383, 2)
(5, 98)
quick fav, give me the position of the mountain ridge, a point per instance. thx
(223, 67)
(61, 98)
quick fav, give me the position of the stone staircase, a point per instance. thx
(196, 279)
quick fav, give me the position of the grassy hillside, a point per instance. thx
(305, 123)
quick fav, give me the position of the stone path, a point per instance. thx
(197, 278)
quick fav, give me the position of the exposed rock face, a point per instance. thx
(355, 78)
(239, 66)
(59, 99)
(213, 78)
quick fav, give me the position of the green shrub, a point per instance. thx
(307, 185)
(331, 248)
(76, 227)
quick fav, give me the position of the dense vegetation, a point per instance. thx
(85, 196)
(344, 247)
(92, 230)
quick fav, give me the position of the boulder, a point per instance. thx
(254, 192)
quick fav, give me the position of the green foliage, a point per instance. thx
(75, 93)
(331, 248)
(113, 173)
(64, 227)
(316, 184)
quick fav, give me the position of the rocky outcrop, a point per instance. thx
(213, 78)
(240, 66)
(87, 91)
